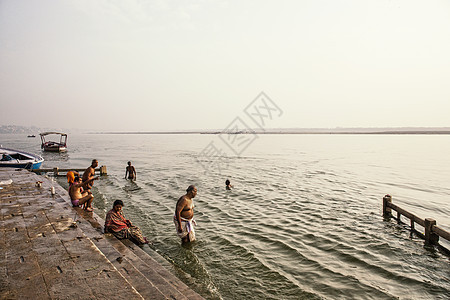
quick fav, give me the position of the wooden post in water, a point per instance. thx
(103, 170)
(430, 236)
(55, 171)
(386, 209)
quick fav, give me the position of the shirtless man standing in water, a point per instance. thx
(90, 172)
(131, 171)
(184, 215)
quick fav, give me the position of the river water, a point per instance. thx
(303, 220)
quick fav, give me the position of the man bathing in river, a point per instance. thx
(89, 173)
(184, 215)
(131, 171)
(80, 197)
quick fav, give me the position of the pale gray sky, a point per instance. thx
(167, 65)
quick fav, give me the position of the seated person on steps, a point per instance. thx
(122, 228)
(80, 197)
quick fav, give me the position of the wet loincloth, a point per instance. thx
(187, 228)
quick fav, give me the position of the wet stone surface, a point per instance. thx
(37, 258)
(50, 250)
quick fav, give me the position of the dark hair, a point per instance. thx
(77, 178)
(118, 202)
(227, 182)
(190, 188)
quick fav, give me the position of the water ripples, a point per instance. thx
(302, 222)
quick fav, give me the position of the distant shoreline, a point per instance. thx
(14, 129)
(392, 132)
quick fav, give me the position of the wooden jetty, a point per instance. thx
(432, 232)
(62, 172)
(50, 250)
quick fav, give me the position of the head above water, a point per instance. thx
(94, 163)
(227, 182)
(129, 163)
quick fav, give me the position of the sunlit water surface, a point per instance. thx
(303, 220)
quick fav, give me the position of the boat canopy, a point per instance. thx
(52, 132)
(54, 146)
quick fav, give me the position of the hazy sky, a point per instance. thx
(167, 65)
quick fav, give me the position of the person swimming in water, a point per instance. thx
(228, 185)
(184, 215)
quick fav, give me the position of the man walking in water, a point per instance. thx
(131, 171)
(184, 215)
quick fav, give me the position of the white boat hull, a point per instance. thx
(10, 158)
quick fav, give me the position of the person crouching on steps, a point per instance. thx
(80, 197)
(122, 228)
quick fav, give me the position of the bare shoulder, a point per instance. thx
(89, 172)
(73, 188)
(181, 201)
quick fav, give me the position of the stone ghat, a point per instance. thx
(50, 250)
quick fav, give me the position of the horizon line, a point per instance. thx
(337, 130)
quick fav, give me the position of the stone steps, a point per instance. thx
(44, 257)
(162, 271)
(51, 250)
(147, 275)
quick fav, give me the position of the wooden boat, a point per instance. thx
(10, 158)
(51, 146)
